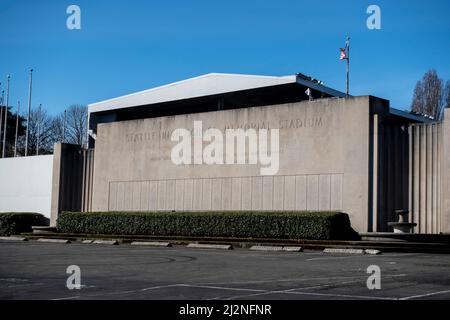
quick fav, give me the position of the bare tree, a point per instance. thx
(71, 127)
(447, 94)
(11, 129)
(77, 123)
(40, 133)
(58, 128)
(428, 95)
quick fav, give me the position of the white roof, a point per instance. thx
(205, 85)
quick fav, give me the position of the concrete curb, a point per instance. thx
(13, 238)
(372, 251)
(244, 243)
(277, 248)
(346, 251)
(210, 246)
(293, 249)
(266, 248)
(87, 241)
(151, 243)
(110, 242)
(53, 240)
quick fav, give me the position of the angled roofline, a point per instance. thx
(173, 84)
(275, 81)
(320, 87)
(138, 98)
(411, 116)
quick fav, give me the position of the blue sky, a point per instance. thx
(127, 46)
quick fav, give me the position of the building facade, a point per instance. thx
(350, 154)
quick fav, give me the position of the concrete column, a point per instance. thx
(429, 180)
(445, 167)
(375, 173)
(434, 177)
(56, 180)
(439, 177)
(410, 173)
(423, 181)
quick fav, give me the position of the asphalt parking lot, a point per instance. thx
(32, 270)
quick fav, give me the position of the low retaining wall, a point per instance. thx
(26, 184)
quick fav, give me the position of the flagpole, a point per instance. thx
(1, 110)
(6, 117)
(348, 66)
(38, 129)
(64, 128)
(17, 129)
(29, 112)
(1, 114)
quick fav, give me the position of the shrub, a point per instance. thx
(15, 223)
(282, 225)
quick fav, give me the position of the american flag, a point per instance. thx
(343, 53)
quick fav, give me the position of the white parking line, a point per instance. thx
(67, 298)
(220, 288)
(294, 290)
(425, 295)
(342, 257)
(118, 292)
(281, 280)
(288, 292)
(24, 285)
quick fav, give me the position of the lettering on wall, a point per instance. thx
(283, 124)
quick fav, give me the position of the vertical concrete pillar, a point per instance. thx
(423, 181)
(434, 216)
(439, 177)
(429, 179)
(375, 173)
(445, 167)
(410, 173)
(56, 182)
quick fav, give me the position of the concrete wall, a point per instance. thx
(72, 179)
(445, 167)
(425, 177)
(26, 184)
(324, 160)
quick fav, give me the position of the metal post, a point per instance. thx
(29, 112)
(17, 129)
(1, 111)
(87, 129)
(6, 117)
(38, 129)
(64, 128)
(348, 66)
(1, 115)
(37, 139)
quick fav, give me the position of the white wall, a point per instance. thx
(26, 184)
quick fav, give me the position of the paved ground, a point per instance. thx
(31, 270)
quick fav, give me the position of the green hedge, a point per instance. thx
(283, 225)
(12, 223)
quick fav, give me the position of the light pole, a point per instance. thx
(17, 129)
(6, 117)
(348, 68)
(1, 113)
(38, 121)
(64, 128)
(29, 112)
